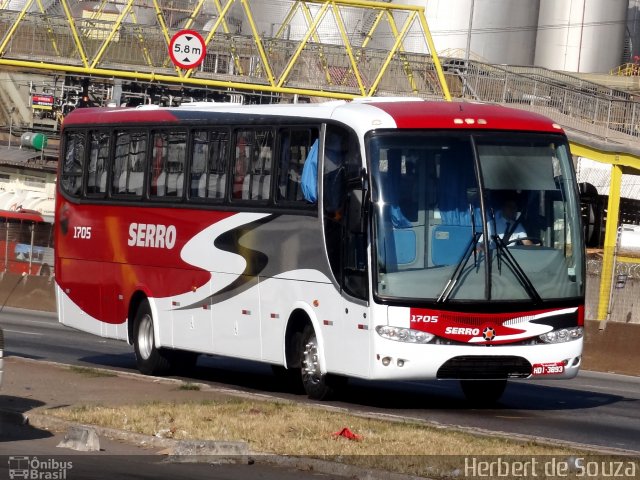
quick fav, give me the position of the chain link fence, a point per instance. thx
(624, 294)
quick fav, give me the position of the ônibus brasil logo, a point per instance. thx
(33, 468)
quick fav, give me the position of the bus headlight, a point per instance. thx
(403, 334)
(562, 335)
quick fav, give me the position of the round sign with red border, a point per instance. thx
(187, 49)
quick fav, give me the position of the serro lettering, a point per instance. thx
(151, 235)
(462, 331)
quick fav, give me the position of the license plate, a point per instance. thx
(548, 368)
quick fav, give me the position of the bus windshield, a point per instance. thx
(436, 194)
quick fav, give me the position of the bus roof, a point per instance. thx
(366, 114)
(24, 215)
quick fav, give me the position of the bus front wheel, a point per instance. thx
(150, 360)
(317, 385)
(483, 393)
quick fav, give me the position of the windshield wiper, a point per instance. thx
(512, 263)
(451, 283)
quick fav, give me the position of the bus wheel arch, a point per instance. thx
(136, 299)
(304, 352)
(298, 320)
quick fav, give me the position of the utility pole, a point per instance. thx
(13, 109)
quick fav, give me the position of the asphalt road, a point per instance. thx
(595, 408)
(26, 452)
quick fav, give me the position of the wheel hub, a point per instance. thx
(310, 364)
(145, 337)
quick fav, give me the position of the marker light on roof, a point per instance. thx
(458, 121)
(469, 121)
(556, 126)
(482, 121)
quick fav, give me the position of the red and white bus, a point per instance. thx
(340, 239)
(26, 242)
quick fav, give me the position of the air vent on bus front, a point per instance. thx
(485, 367)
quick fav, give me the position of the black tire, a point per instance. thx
(317, 385)
(150, 360)
(483, 393)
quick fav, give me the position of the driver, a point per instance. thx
(507, 226)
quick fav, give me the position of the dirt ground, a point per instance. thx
(28, 384)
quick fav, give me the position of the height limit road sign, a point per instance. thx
(187, 49)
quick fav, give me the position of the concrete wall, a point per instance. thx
(612, 347)
(30, 292)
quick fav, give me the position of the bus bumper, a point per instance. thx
(407, 361)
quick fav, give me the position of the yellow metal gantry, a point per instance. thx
(101, 43)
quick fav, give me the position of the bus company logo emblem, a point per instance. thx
(472, 332)
(150, 235)
(38, 469)
(488, 334)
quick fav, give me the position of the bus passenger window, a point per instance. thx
(297, 146)
(200, 152)
(241, 161)
(258, 178)
(73, 163)
(129, 163)
(98, 162)
(252, 168)
(167, 164)
(213, 184)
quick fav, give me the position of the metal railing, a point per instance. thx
(610, 115)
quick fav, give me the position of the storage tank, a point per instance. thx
(37, 141)
(18, 5)
(503, 31)
(269, 16)
(581, 35)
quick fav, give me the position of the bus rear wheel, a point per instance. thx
(483, 393)
(150, 360)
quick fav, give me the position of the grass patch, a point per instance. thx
(91, 372)
(189, 387)
(291, 429)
